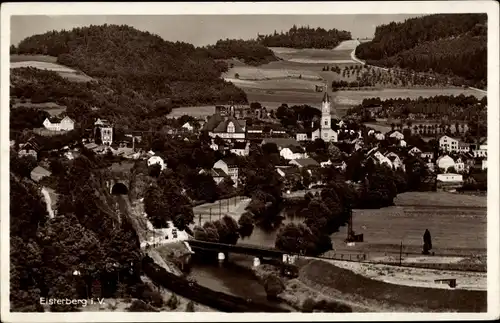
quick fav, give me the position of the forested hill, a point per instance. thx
(305, 37)
(450, 44)
(133, 61)
(250, 52)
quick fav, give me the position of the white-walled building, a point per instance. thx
(293, 152)
(397, 135)
(156, 160)
(450, 178)
(188, 126)
(56, 124)
(228, 168)
(445, 162)
(241, 148)
(414, 151)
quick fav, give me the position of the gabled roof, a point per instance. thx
(217, 172)
(222, 126)
(213, 121)
(304, 162)
(290, 171)
(281, 142)
(33, 143)
(295, 149)
(54, 119)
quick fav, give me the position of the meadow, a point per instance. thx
(48, 63)
(52, 108)
(457, 224)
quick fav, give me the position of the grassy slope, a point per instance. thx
(381, 295)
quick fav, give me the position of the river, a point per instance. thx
(230, 277)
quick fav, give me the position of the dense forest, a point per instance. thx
(66, 256)
(137, 65)
(449, 44)
(305, 37)
(250, 52)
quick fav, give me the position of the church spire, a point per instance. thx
(326, 97)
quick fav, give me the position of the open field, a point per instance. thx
(340, 54)
(417, 277)
(378, 295)
(48, 63)
(36, 58)
(457, 224)
(52, 108)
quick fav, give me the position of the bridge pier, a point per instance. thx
(256, 262)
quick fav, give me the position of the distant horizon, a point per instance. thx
(203, 30)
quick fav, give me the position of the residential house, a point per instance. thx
(463, 147)
(188, 126)
(341, 124)
(427, 155)
(241, 148)
(445, 162)
(156, 160)
(338, 164)
(395, 160)
(277, 130)
(281, 142)
(225, 127)
(57, 124)
(460, 165)
(379, 136)
(304, 162)
(38, 173)
(397, 135)
(402, 143)
(447, 143)
(106, 130)
(230, 168)
(217, 174)
(30, 148)
(257, 129)
(378, 158)
(293, 152)
(301, 136)
(414, 151)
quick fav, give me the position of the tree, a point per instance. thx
(155, 170)
(273, 286)
(22, 166)
(246, 224)
(296, 238)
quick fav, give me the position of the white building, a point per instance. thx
(106, 129)
(241, 148)
(230, 169)
(450, 178)
(459, 165)
(187, 126)
(395, 160)
(398, 135)
(293, 152)
(324, 131)
(448, 143)
(484, 164)
(379, 136)
(445, 162)
(55, 124)
(156, 160)
(414, 151)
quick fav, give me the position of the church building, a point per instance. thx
(324, 129)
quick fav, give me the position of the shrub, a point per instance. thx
(173, 302)
(190, 307)
(308, 305)
(273, 286)
(140, 306)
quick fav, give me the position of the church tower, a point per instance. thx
(326, 116)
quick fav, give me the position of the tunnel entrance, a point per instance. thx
(119, 189)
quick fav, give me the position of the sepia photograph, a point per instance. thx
(193, 159)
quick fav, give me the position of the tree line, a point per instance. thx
(449, 44)
(305, 37)
(250, 52)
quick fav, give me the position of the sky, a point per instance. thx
(201, 30)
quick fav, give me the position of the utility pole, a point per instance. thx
(400, 252)
(220, 208)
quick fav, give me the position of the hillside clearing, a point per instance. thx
(48, 63)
